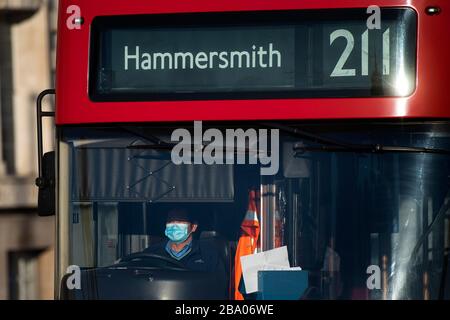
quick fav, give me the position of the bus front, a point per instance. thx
(316, 131)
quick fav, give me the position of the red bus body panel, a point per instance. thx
(430, 100)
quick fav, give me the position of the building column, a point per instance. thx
(6, 101)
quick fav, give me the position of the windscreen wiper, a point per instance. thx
(162, 147)
(159, 144)
(332, 145)
(167, 149)
(156, 143)
(169, 146)
(376, 148)
(414, 253)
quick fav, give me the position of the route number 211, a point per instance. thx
(339, 70)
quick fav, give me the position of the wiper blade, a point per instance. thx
(156, 143)
(307, 135)
(161, 145)
(377, 148)
(168, 147)
(332, 145)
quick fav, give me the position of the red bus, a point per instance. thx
(338, 117)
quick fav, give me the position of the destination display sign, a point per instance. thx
(327, 53)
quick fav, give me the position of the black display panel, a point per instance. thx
(251, 55)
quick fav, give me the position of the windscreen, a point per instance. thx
(363, 224)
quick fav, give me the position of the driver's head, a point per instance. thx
(179, 225)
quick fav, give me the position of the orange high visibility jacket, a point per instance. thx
(247, 242)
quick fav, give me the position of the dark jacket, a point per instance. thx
(202, 257)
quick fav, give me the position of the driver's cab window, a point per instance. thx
(337, 213)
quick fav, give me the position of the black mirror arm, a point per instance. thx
(40, 180)
(45, 180)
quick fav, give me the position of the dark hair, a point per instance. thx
(179, 214)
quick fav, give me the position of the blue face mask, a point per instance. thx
(177, 232)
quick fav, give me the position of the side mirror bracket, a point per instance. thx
(46, 164)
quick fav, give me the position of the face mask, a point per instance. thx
(177, 232)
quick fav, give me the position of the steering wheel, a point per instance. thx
(145, 255)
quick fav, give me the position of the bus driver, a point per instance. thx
(180, 246)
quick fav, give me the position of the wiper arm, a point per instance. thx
(332, 145)
(157, 143)
(376, 148)
(163, 147)
(169, 146)
(307, 135)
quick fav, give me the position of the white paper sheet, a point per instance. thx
(275, 259)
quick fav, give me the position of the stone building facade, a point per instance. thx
(27, 55)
